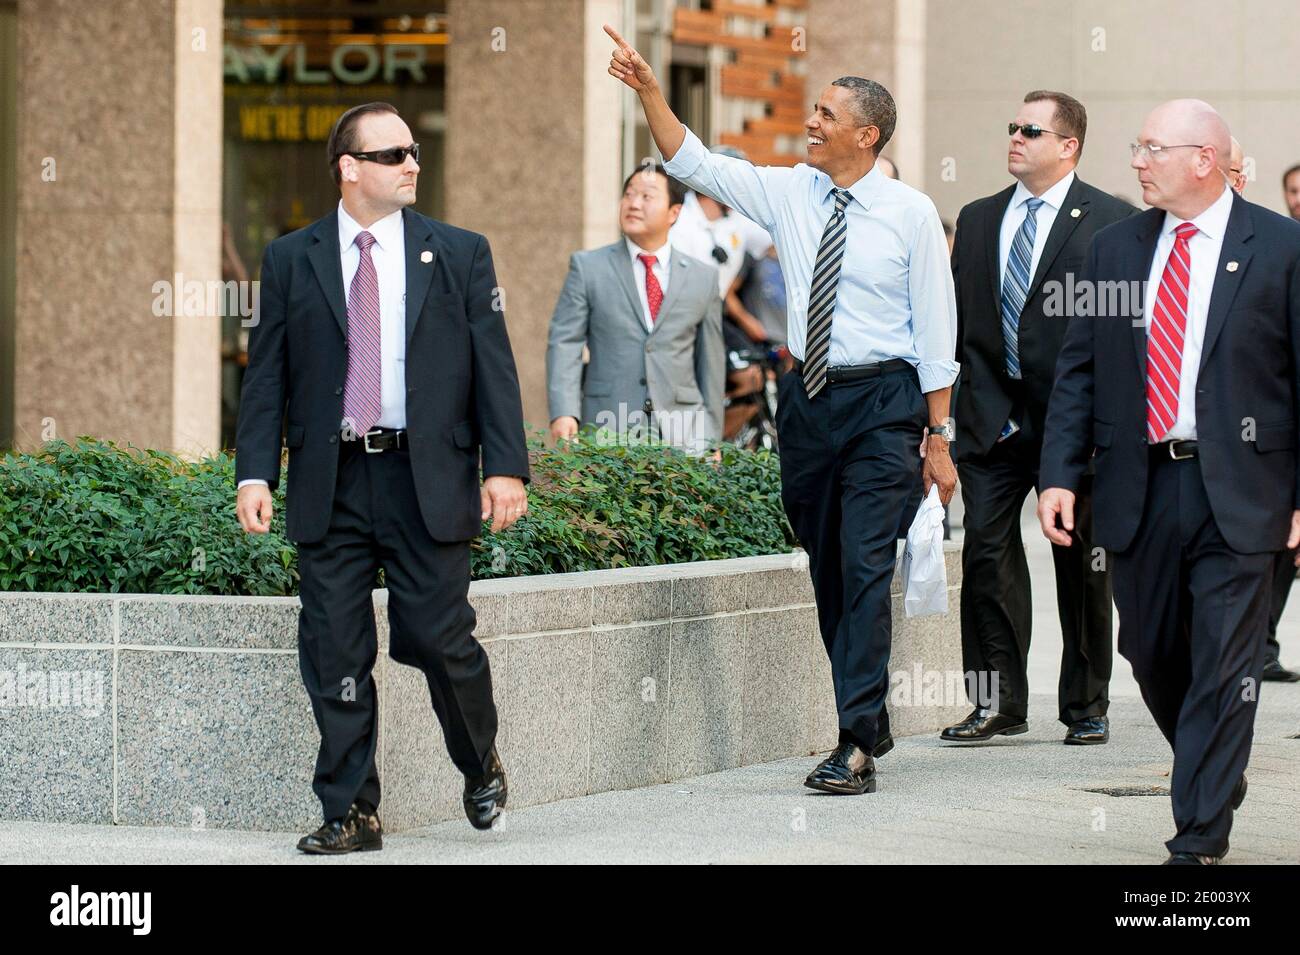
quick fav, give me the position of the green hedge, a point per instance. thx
(96, 517)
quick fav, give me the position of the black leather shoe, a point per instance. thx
(982, 724)
(485, 796)
(356, 832)
(1239, 793)
(1190, 858)
(1276, 673)
(848, 771)
(1089, 732)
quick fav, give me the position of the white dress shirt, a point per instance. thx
(1204, 248)
(895, 296)
(638, 271)
(696, 235)
(389, 256)
(1014, 217)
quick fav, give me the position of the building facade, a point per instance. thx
(153, 147)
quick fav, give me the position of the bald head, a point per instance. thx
(1187, 175)
(1193, 121)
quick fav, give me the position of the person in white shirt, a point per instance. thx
(872, 325)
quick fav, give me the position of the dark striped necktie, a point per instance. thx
(821, 296)
(1015, 284)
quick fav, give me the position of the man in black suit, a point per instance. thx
(1013, 256)
(1188, 400)
(389, 390)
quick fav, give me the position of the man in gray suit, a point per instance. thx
(651, 318)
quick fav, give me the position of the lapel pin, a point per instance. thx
(426, 256)
(1075, 213)
(1232, 266)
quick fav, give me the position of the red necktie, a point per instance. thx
(1165, 337)
(653, 293)
(362, 395)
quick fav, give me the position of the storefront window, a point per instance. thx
(290, 70)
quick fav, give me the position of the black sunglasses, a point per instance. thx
(393, 156)
(1032, 130)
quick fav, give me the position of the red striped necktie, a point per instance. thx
(654, 294)
(1165, 337)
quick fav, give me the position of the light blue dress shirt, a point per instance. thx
(895, 295)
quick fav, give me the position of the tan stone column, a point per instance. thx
(534, 126)
(119, 188)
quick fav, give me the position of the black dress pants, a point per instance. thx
(376, 523)
(1193, 618)
(850, 461)
(1283, 578)
(996, 607)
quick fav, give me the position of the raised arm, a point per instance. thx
(754, 191)
(628, 66)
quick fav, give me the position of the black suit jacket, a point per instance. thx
(984, 394)
(462, 392)
(1246, 387)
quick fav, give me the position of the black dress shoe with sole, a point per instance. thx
(1274, 672)
(485, 795)
(356, 832)
(849, 771)
(1190, 858)
(984, 724)
(1089, 732)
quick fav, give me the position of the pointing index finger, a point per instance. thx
(613, 35)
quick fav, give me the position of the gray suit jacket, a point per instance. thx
(680, 366)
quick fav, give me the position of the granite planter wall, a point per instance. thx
(189, 711)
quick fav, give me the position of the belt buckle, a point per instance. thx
(365, 441)
(1174, 455)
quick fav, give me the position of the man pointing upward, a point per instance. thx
(872, 326)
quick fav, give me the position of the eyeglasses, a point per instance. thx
(1032, 130)
(393, 156)
(1151, 150)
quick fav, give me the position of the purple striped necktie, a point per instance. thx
(363, 395)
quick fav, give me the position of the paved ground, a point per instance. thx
(1023, 799)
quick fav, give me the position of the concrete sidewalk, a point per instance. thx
(1016, 800)
(1021, 799)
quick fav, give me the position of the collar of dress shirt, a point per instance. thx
(1213, 222)
(387, 231)
(862, 190)
(1053, 197)
(661, 254)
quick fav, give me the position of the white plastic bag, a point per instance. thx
(925, 577)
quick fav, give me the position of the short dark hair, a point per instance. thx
(1289, 173)
(676, 191)
(344, 137)
(1069, 116)
(874, 106)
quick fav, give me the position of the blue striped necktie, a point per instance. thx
(821, 295)
(1015, 284)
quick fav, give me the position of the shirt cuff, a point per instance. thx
(688, 157)
(252, 481)
(936, 375)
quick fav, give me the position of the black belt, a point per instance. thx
(1180, 449)
(857, 372)
(378, 440)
